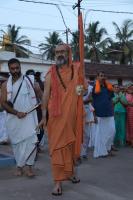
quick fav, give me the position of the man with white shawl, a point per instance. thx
(21, 126)
(105, 129)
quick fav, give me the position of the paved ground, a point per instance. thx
(101, 179)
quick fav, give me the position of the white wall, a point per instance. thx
(25, 66)
(36, 64)
(124, 82)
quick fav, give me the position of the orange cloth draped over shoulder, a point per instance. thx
(62, 109)
(98, 86)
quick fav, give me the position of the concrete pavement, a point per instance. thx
(101, 179)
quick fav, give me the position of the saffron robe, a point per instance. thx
(62, 128)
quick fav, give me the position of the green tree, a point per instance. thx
(13, 42)
(94, 42)
(112, 52)
(75, 45)
(49, 46)
(124, 35)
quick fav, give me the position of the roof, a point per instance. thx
(110, 70)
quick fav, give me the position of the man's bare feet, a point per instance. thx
(111, 154)
(29, 172)
(19, 171)
(113, 148)
(57, 191)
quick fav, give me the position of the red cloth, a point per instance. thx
(129, 98)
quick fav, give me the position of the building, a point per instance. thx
(35, 62)
(121, 74)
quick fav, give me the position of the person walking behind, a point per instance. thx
(18, 97)
(105, 129)
(120, 104)
(129, 97)
(3, 131)
(90, 119)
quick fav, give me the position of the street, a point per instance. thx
(101, 179)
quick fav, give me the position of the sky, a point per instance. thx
(37, 20)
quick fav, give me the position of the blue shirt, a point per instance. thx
(102, 102)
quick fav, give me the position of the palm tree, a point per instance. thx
(112, 52)
(75, 45)
(13, 42)
(48, 48)
(124, 36)
(94, 41)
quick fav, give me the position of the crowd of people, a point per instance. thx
(109, 115)
(30, 108)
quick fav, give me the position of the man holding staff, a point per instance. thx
(60, 98)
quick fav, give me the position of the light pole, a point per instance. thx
(78, 5)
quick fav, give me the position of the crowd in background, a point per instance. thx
(123, 116)
(119, 132)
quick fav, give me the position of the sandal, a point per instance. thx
(74, 180)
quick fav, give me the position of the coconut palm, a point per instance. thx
(75, 45)
(94, 41)
(13, 42)
(111, 52)
(124, 35)
(48, 48)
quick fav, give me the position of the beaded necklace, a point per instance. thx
(60, 78)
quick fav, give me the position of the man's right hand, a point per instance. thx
(21, 115)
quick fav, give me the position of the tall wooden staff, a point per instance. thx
(79, 128)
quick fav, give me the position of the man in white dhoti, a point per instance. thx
(18, 97)
(102, 101)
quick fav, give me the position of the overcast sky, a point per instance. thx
(37, 20)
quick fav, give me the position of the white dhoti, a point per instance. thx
(23, 150)
(3, 131)
(92, 135)
(88, 129)
(22, 133)
(104, 136)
